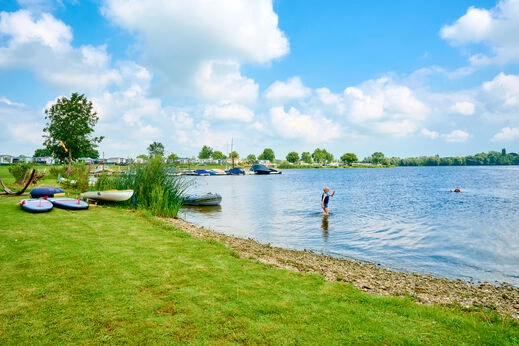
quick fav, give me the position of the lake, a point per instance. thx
(403, 218)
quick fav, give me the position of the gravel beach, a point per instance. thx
(369, 277)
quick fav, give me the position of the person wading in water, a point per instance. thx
(325, 198)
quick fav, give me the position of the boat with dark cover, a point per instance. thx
(262, 169)
(235, 171)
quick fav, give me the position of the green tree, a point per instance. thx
(321, 156)
(172, 157)
(292, 157)
(251, 158)
(306, 157)
(205, 153)
(268, 154)
(378, 158)
(349, 158)
(69, 128)
(155, 149)
(218, 155)
(42, 153)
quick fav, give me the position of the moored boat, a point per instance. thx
(204, 199)
(108, 195)
(262, 169)
(235, 171)
(203, 172)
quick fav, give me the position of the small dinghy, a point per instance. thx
(68, 203)
(36, 205)
(203, 199)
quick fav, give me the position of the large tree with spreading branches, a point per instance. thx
(69, 130)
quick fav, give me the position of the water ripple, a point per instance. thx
(403, 218)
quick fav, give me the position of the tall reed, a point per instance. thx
(154, 189)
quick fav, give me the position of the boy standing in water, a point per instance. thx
(325, 198)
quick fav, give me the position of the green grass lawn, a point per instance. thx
(109, 276)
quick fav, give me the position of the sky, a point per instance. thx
(404, 77)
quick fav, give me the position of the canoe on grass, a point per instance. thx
(108, 195)
(48, 191)
(36, 205)
(68, 203)
(203, 199)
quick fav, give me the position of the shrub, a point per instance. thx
(18, 170)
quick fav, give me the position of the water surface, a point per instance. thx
(402, 218)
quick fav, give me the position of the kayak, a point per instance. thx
(108, 195)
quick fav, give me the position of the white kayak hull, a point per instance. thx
(108, 195)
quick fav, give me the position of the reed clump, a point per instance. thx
(155, 189)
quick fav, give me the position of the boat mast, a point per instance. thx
(232, 156)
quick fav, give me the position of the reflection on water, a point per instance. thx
(324, 227)
(403, 218)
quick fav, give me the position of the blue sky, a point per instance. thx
(404, 77)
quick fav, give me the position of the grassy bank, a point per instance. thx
(107, 275)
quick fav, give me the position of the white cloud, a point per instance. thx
(385, 107)
(497, 28)
(457, 136)
(229, 111)
(464, 108)
(10, 103)
(504, 89)
(312, 128)
(186, 38)
(430, 134)
(43, 45)
(222, 81)
(507, 134)
(292, 89)
(474, 26)
(23, 30)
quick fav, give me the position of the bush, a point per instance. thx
(18, 170)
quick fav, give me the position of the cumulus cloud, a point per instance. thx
(503, 89)
(385, 107)
(430, 134)
(293, 124)
(464, 108)
(292, 89)
(496, 28)
(181, 39)
(457, 136)
(42, 44)
(507, 134)
(229, 111)
(223, 81)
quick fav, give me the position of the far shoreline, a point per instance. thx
(368, 277)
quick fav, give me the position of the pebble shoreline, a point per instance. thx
(369, 277)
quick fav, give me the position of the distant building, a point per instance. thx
(6, 159)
